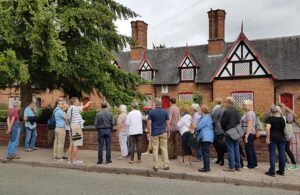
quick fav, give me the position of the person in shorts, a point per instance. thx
(76, 122)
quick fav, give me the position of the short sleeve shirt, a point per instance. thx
(159, 118)
(277, 128)
(28, 113)
(13, 113)
(174, 114)
(59, 118)
(122, 122)
(74, 114)
(249, 116)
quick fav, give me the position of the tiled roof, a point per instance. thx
(281, 54)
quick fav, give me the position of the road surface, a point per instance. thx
(26, 180)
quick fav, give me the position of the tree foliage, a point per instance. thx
(64, 44)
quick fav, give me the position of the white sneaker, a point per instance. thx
(76, 162)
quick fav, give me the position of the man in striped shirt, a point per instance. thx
(76, 124)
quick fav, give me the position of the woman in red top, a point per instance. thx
(14, 125)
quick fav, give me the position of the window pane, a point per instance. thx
(241, 97)
(147, 75)
(242, 69)
(187, 74)
(186, 97)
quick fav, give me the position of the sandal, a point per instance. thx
(130, 162)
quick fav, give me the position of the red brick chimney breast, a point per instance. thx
(139, 35)
(216, 31)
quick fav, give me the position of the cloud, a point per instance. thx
(177, 22)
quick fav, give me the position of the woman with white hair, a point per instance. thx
(248, 124)
(13, 128)
(275, 137)
(122, 131)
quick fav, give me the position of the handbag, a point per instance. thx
(236, 132)
(76, 135)
(288, 131)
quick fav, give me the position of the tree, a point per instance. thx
(65, 44)
(160, 46)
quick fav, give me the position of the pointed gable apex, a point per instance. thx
(188, 61)
(146, 64)
(243, 60)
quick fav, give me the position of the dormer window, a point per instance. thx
(187, 70)
(146, 71)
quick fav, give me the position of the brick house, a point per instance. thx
(265, 71)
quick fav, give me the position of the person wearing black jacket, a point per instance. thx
(230, 119)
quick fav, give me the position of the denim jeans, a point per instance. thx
(11, 149)
(18, 137)
(30, 139)
(272, 156)
(104, 135)
(205, 153)
(250, 152)
(233, 150)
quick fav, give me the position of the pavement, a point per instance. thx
(254, 177)
(19, 179)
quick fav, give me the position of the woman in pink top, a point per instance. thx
(14, 125)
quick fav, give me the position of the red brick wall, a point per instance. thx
(292, 87)
(263, 89)
(47, 97)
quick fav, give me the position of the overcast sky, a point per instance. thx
(178, 22)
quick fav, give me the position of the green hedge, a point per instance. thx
(3, 115)
(89, 116)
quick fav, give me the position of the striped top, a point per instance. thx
(76, 117)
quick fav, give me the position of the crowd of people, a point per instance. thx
(223, 127)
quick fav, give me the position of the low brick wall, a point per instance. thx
(45, 140)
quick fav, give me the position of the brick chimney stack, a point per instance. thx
(216, 31)
(139, 35)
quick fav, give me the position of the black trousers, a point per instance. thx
(219, 147)
(135, 145)
(289, 152)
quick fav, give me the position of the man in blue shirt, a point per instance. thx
(159, 128)
(60, 133)
(30, 125)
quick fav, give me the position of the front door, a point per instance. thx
(287, 99)
(165, 102)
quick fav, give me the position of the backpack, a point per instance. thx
(52, 122)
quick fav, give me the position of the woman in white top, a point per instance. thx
(135, 130)
(122, 131)
(184, 127)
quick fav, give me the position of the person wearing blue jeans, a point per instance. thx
(272, 157)
(30, 125)
(230, 119)
(12, 148)
(13, 128)
(104, 135)
(104, 122)
(30, 139)
(233, 151)
(250, 152)
(275, 137)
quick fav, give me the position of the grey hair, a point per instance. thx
(275, 110)
(16, 103)
(230, 100)
(134, 105)
(158, 102)
(196, 107)
(123, 108)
